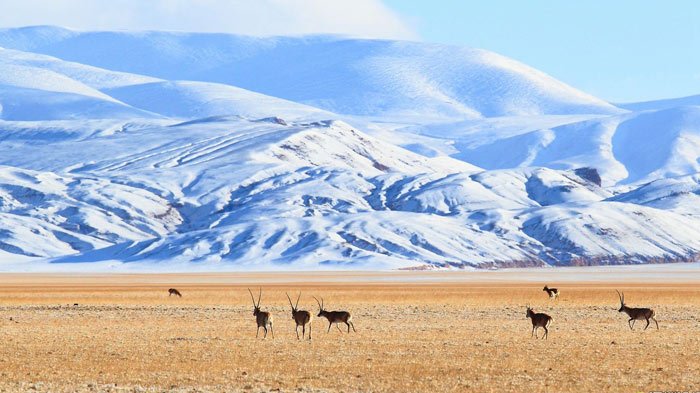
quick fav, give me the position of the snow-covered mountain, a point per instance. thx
(177, 151)
(347, 76)
(40, 87)
(630, 148)
(662, 104)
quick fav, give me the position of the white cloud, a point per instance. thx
(363, 18)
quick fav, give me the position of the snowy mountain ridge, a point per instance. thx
(342, 75)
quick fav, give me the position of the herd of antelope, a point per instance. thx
(303, 318)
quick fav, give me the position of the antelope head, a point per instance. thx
(295, 307)
(321, 311)
(622, 301)
(256, 306)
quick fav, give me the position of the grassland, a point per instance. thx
(126, 334)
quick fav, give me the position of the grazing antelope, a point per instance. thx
(552, 292)
(636, 313)
(263, 318)
(173, 291)
(335, 317)
(539, 320)
(301, 317)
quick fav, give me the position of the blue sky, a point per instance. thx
(618, 50)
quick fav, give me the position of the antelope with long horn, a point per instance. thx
(636, 314)
(539, 320)
(301, 317)
(263, 318)
(335, 317)
(552, 292)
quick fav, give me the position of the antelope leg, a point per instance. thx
(645, 327)
(257, 332)
(353, 327)
(297, 330)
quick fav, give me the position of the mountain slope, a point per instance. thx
(44, 214)
(188, 100)
(677, 194)
(40, 87)
(230, 193)
(346, 76)
(631, 148)
(34, 87)
(662, 104)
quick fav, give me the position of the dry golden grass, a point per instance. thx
(128, 335)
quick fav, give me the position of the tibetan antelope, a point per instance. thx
(552, 292)
(539, 320)
(263, 318)
(335, 317)
(173, 291)
(301, 317)
(636, 313)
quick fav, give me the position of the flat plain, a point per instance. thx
(416, 332)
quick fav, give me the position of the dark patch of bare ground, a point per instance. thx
(415, 337)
